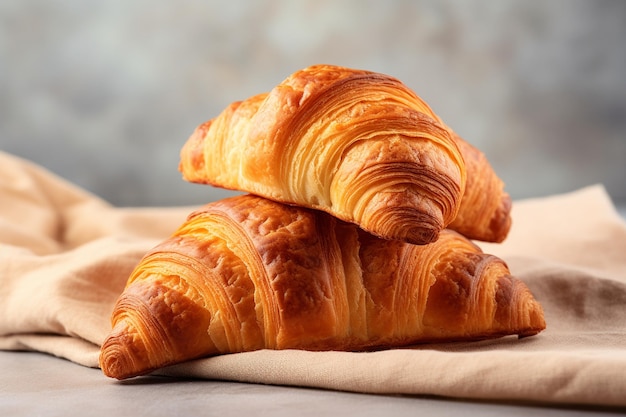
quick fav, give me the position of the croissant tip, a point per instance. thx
(532, 331)
(536, 322)
(111, 364)
(116, 358)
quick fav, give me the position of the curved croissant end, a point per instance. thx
(485, 208)
(247, 273)
(485, 211)
(353, 143)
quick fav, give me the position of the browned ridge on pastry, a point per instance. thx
(357, 144)
(247, 273)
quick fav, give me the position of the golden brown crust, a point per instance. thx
(356, 144)
(247, 273)
(485, 211)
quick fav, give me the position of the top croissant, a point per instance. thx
(359, 145)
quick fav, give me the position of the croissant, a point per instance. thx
(359, 145)
(247, 273)
(349, 142)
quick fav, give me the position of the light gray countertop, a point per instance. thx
(35, 384)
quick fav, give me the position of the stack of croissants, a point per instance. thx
(353, 232)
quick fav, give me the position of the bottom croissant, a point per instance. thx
(246, 273)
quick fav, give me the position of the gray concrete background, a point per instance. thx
(105, 93)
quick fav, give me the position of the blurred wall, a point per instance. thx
(105, 93)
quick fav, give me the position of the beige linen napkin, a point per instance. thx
(65, 256)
